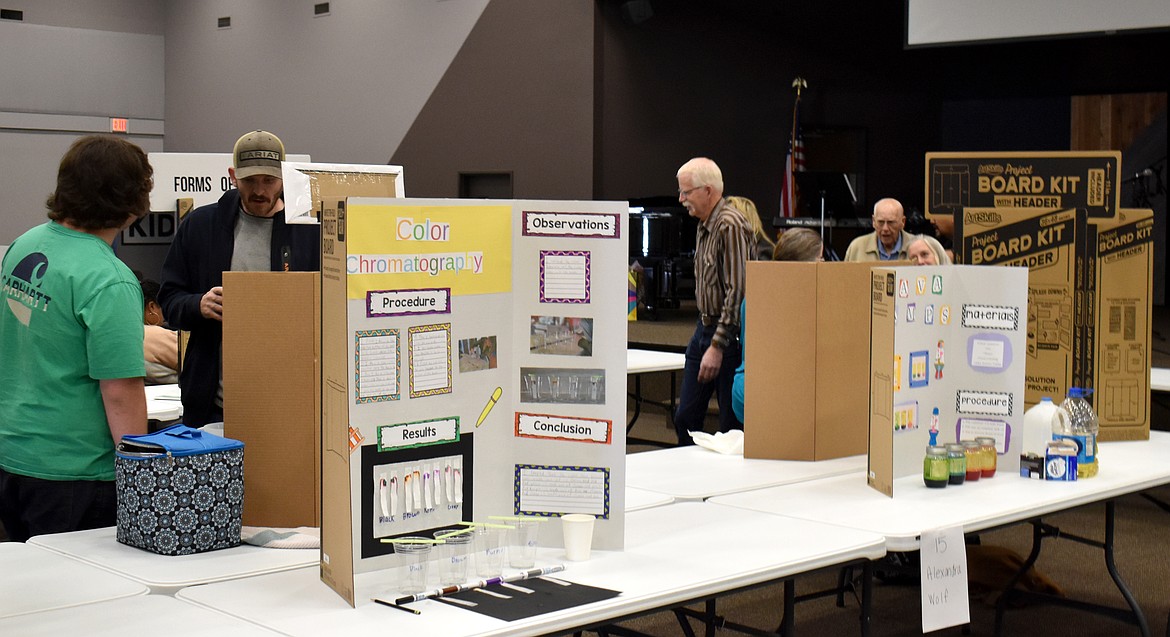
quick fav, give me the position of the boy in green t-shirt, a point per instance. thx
(71, 335)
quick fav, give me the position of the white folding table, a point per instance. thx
(674, 554)
(140, 615)
(693, 473)
(166, 574)
(847, 501)
(37, 580)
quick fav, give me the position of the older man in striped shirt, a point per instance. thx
(723, 243)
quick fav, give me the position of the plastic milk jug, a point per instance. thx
(1038, 427)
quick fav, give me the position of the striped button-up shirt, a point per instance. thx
(723, 245)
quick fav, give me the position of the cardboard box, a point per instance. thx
(1052, 245)
(271, 387)
(806, 377)
(1039, 180)
(1117, 363)
(312, 188)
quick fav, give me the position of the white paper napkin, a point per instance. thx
(730, 443)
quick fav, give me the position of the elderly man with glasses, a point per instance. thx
(723, 244)
(888, 241)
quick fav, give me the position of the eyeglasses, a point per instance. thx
(687, 193)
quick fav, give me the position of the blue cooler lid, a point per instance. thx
(176, 440)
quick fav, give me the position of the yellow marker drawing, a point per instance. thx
(487, 409)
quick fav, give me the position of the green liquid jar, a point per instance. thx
(936, 471)
(957, 463)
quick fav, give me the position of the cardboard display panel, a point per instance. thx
(1118, 323)
(946, 357)
(473, 365)
(271, 392)
(1052, 245)
(1038, 180)
(310, 187)
(805, 387)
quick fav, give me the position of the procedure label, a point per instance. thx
(408, 302)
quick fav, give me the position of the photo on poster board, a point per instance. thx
(563, 335)
(477, 354)
(562, 385)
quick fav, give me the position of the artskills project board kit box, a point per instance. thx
(1052, 245)
(1117, 327)
(1089, 303)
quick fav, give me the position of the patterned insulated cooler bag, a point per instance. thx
(180, 491)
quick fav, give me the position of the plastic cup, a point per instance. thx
(489, 551)
(578, 532)
(523, 540)
(454, 556)
(416, 558)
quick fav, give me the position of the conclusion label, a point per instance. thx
(564, 428)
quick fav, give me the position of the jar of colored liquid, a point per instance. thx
(990, 457)
(956, 463)
(935, 468)
(974, 453)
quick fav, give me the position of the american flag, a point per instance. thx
(793, 164)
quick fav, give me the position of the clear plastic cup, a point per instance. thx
(523, 540)
(454, 555)
(416, 558)
(489, 551)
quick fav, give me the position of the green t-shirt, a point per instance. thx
(72, 316)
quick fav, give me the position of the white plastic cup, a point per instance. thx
(415, 558)
(523, 540)
(454, 556)
(578, 532)
(489, 551)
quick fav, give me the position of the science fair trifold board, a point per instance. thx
(947, 351)
(473, 365)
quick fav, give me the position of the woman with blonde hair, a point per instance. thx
(764, 243)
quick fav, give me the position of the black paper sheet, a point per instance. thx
(547, 596)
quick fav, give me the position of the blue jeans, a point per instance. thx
(695, 396)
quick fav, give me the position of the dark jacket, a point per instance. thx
(200, 252)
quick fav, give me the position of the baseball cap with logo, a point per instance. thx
(258, 153)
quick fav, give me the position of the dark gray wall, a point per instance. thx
(341, 88)
(65, 71)
(518, 99)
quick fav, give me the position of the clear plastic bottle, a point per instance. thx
(1076, 422)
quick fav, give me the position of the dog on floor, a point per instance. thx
(990, 568)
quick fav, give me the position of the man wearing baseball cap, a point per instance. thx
(244, 231)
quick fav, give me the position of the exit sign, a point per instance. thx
(119, 125)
